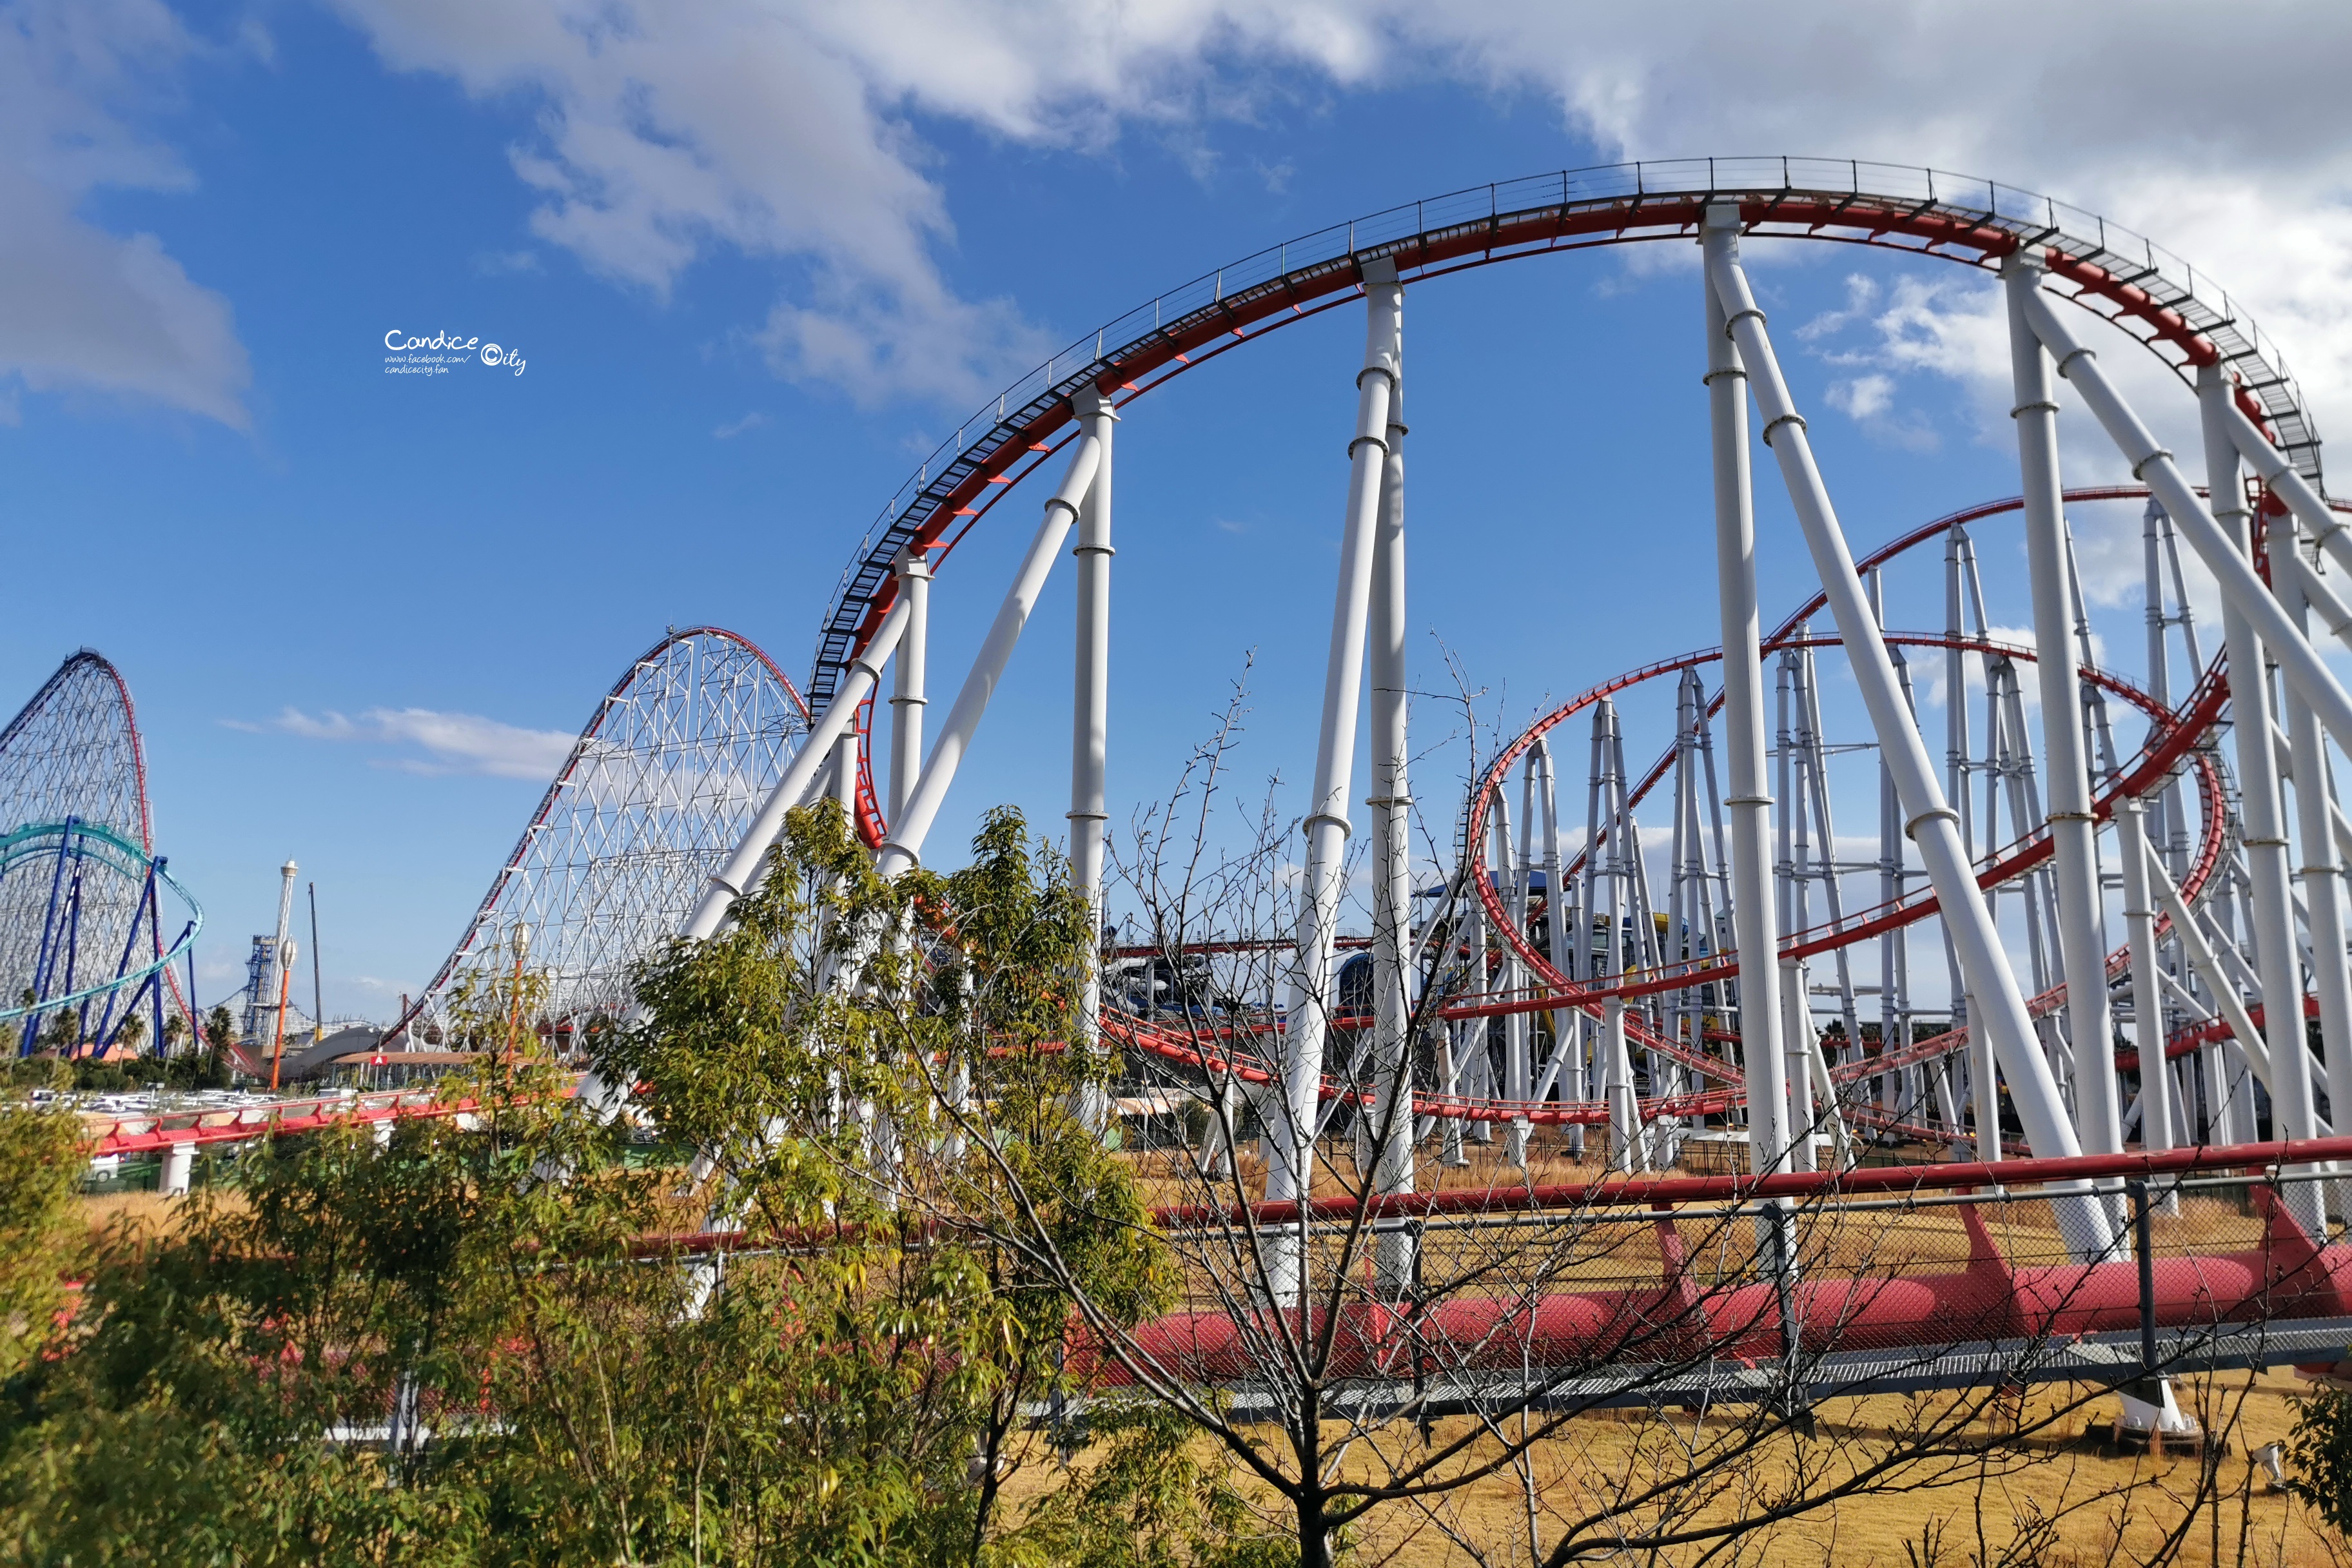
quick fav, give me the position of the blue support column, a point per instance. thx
(139, 912)
(30, 1038)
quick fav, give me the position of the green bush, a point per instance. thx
(40, 1171)
(94, 1076)
(43, 1071)
(859, 1402)
(2320, 1451)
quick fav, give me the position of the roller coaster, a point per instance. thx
(1657, 995)
(85, 962)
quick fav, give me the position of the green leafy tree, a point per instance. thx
(193, 1414)
(130, 1032)
(40, 1173)
(2320, 1449)
(97, 1076)
(816, 1055)
(64, 1031)
(543, 1371)
(208, 1067)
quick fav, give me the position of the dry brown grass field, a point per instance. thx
(2055, 1496)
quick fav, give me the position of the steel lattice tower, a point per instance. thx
(662, 784)
(72, 752)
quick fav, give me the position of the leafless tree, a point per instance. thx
(1531, 1379)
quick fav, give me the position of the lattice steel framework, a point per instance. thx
(662, 784)
(78, 877)
(74, 751)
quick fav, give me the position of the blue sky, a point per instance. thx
(757, 264)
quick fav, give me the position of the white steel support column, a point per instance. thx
(2155, 1069)
(2206, 964)
(746, 866)
(908, 699)
(1797, 1056)
(2323, 870)
(2073, 829)
(2254, 621)
(1090, 724)
(180, 1165)
(1291, 1165)
(1749, 804)
(1996, 1004)
(2148, 986)
(845, 775)
(1517, 1079)
(1566, 1068)
(1625, 1143)
(2330, 529)
(1391, 803)
(2278, 965)
(904, 848)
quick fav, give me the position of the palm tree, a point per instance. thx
(130, 1032)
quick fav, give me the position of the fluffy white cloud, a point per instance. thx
(83, 310)
(452, 742)
(785, 129)
(782, 128)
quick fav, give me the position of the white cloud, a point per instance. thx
(452, 742)
(771, 130)
(82, 309)
(1869, 401)
(785, 129)
(1865, 397)
(734, 427)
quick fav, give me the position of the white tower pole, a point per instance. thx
(908, 697)
(845, 775)
(748, 865)
(2243, 592)
(2147, 985)
(2323, 870)
(1090, 720)
(1567, 1067)
(1392, 807)
(2073, 829)
(1290, 1161)
(2277, 963)
(272, 1000)
(2329, 529)
(1750, 804)
(1518, 1079)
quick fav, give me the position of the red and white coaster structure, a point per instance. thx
(1584, 987)
(2168, 871)
(2202, 818)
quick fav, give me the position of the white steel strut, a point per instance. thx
(1290, 1167)
(1996, 1004)
(2082, 947)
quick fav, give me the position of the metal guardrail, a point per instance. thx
(129, 1132)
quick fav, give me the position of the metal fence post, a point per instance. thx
(2144, 1235)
